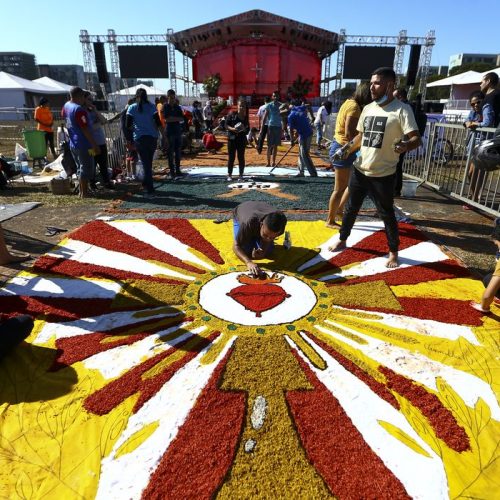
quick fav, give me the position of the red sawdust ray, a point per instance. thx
(110, 396)
(336, 448)
(432, 271)
(73, 349)
(370, 247)
(75, 269)
(453, 311)
(186, 233)
(377, 387)
(103, 235)
(198, 459)
(56, 309)
(439, 417)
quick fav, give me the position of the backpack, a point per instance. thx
(68, 162)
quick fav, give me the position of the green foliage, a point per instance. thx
(218, 108)
(211, 84)
(300, 87)
(436, 93)
(480, 67)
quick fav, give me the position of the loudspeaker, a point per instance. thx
(100, 62)
(411, 76)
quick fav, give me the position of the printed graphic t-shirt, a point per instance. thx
(381, 127)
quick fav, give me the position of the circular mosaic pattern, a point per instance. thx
(237, 298)
(335, 378)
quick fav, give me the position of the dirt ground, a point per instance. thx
(464, 233)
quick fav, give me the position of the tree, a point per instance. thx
(300, 87)
(211, 84)
(480, 67)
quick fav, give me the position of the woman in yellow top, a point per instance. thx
(44, 119)
(345, 131)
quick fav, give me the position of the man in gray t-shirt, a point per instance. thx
(256, 225)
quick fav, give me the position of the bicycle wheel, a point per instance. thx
(442, 152)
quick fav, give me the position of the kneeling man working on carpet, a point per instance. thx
(256, 226)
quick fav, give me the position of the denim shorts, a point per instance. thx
(347, 162)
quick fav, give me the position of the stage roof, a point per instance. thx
(255, 24)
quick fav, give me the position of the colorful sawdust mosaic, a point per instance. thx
(159, 369)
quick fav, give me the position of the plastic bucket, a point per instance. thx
(409, 189)
(34, 141)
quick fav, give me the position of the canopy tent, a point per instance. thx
(17, 92)
(460, 79)
(121, 97)
(49, 82)
(464, 84)
(463, 78)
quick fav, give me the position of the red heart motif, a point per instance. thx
(258, 298)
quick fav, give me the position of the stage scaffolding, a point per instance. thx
(399, 41)
(191, 88)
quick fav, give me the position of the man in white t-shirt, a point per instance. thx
(319, 122)
(262, 126)
(381, 128)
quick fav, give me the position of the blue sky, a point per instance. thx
(50, 29)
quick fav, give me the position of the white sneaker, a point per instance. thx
(229, 178)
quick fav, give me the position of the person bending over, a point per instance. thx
(256, 225)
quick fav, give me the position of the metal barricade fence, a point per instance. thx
(444, 161)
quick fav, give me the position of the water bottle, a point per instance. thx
(287, 242)
(139, 170)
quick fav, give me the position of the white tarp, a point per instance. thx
(121, 97)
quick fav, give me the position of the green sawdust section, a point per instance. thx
(204, 194)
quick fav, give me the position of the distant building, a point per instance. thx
(71, 74)
(19, 64)
(438, 70)
(461, 59)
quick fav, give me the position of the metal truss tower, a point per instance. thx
(340, 67)
(425, 62)
(113, 39)
(399, 42)
(400, 54)
(325, 91)
(185, 61)
(171, 60)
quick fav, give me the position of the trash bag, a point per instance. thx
(68, 162)
(20, 153)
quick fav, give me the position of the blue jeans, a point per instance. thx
(319, 133)
(381, 191)
(304, 156)
(174, 151)
(146, 147)
(85, 165)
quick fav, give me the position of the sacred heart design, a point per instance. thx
(258, 295)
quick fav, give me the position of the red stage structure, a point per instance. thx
(257, 52)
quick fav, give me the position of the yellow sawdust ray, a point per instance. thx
(342, 331)
(150, 293)
(217, 347)
(191, 345)
(356, 314)
(456, 288)
(365, 363)
(308, 350)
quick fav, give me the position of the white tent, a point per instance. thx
(460, 79)
(49, 82)
(17, 92)
(122, 96)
